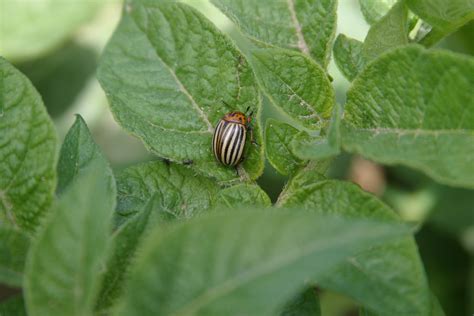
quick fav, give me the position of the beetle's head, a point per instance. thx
(236, 117)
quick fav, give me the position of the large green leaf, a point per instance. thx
(278, 136)
(241, 263)
(27, 151)
(295, 84)
(348, 56)
(78, 153)
(167, 72)
(13, 248)
(415, 107)
(181, 193)
(307, 26)
(126, 241)
(374, 10)
(31, 28)
(389, 32)
(380, 278)
(64, 265)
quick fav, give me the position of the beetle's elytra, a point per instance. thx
(229, 138)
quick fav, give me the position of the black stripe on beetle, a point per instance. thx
(229, 138)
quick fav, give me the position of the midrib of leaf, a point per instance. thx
(240, 279)
(8, 208)
(280, 138)
(297, 26)
(306, 104)
(78, 145)
(82, 275)
(181, 86)
(302, 103)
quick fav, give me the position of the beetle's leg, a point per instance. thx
(226, 104)
(252, 139)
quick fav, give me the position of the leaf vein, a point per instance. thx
(296, 24)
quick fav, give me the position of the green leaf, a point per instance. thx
(295, 84)
(396, 113)
(306, 26)
(278, 136)
(241, 263)
(242, 195)
(78, 154)
(167, 72)
(13, 248)
(305, 304)
(443, 15)
(76, 239)
(126, 241)
(32, 29)
(374, 10)
(348, 56)
(389, 32)
(14, 306)
(181, 193)
(301, 180)
(27, 151)
(308, 147)
(394, 269)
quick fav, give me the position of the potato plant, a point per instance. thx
(183, 234)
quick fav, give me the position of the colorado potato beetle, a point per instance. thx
(230, 136)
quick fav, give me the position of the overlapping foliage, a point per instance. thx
(183, 235)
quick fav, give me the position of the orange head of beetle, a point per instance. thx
(236, 117)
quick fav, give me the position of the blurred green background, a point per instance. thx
(57, 44)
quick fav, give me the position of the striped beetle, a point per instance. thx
(229, 137)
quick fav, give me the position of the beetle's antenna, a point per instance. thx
(225, 103)
(251, 112)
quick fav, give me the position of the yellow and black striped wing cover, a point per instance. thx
(228, 142)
